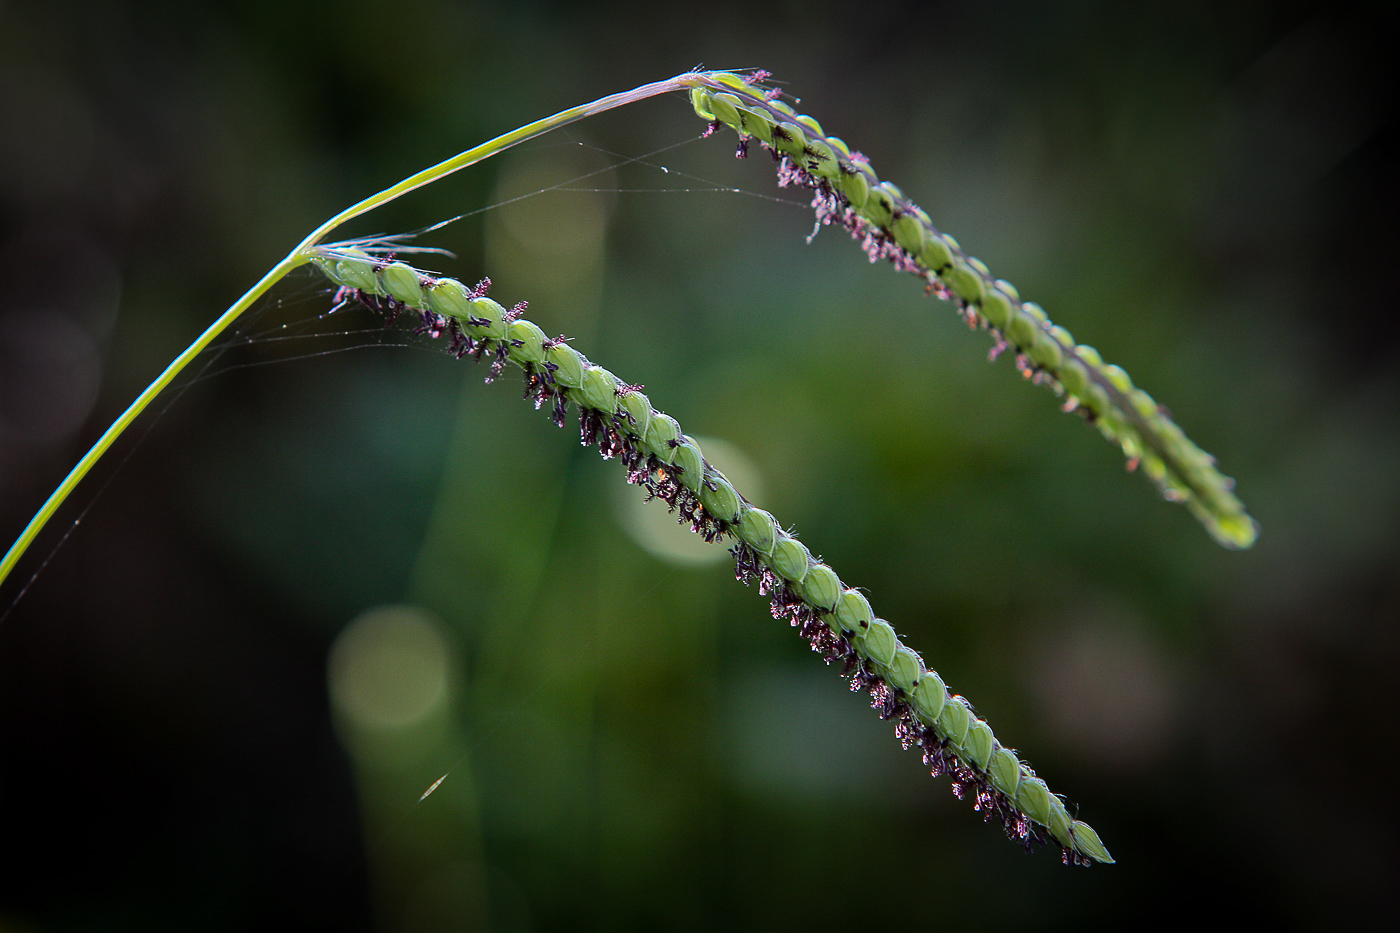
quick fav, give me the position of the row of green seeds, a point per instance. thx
(1126, 415)
(845, 610)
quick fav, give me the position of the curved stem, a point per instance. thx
(492, 147)
(124, 420)
(298, 257)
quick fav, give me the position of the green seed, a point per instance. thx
(1005, 771)
(449, 298)
(599, 389)
(784, 108)
(1130, 442)
(853, 611)
(1022, 330)
(530, 337)
(1234, 531)
(1059, 822)
(1036, 312)
(809, 124)
(1033, 797)
(756, 123)
(936, 255)
(1087, 841)
(821, 587)
(821, 159)
(722, 502)
(1073, 377)
(905, 668)
(327, 266)
(1110, 425)
(757, 529)
(356, 270)
(1045, 351)
(1063, 337)
(789, 138)
(996, 308)
(490, 311)
(965, 282)
(839, 145)
(1145, 404)
(978, 744)
(1008, 289)
(637, 407)
(879, 206)
(855, 186)
(1118, 377)
(567, 363)
(733, 79)
(954, 720)
(879, 642)
(980, 268)
(790, 559)
(401, 283)
(661, 433)
(725, 108)
(909, 233)
(1096, 400)
(930, 694)
(689, 462)
(700, 100)
(1089, 355)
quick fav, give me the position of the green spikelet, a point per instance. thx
(719, 498)
(757, 529)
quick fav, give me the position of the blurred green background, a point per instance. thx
(338, 568)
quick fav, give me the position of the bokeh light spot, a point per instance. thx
(389, 667)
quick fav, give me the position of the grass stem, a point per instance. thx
(298, 257)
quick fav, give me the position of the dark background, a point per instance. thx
(1205, 192)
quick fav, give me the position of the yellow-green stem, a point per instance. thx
(299, 256)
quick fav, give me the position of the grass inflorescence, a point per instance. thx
(889, 226)
(835, 619)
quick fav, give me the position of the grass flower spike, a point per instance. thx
(834, 618)
(891, 227)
